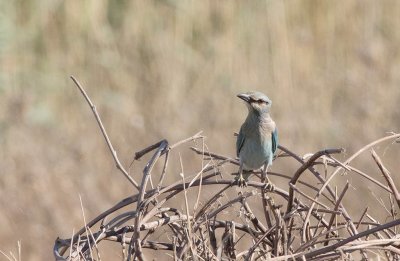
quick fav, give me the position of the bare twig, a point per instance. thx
(103, 131)
(303, 168)
(352, 238)
(189, 224)
(387, 176)
(140, 207)
(361, 217)
(339, 200)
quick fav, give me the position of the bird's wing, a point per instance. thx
(239, 142)
(274, 140)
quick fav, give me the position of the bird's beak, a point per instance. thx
(244, 97)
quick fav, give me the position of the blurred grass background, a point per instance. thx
(167, 69)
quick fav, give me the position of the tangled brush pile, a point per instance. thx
(205, 216)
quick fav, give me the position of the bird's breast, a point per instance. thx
(256, 152)
(257, 147)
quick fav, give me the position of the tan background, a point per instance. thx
(166, 69)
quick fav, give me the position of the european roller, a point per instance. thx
(257, 141)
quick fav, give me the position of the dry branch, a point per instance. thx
(103, 131)
(387, 176)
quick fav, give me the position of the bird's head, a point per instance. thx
(256, 102)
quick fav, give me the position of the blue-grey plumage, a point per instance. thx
(257, 141)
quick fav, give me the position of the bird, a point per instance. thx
(257, 141)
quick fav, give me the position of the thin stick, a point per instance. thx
(359, 172)
(201, 178)
(253, 248)
(352, 238)
(194, 137)
(4, 254)
(265, 198)
(164, 170)
(84, 221)
(72, 243)
(387, 176)
(339, 200)
(253, 218)
(103, 131)
(303, 168)
(307, 196)
(146, 175)
(189, 226)
(312, 241)
(214, 155)
(361, 218)
(19, 250)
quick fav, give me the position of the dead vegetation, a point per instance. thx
(205, 216)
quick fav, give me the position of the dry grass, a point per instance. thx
(166, 69)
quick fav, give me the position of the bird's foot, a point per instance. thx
(241, 182)
(268, 187)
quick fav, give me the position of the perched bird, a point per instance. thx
(257, 141)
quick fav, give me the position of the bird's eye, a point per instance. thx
(261, 101)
